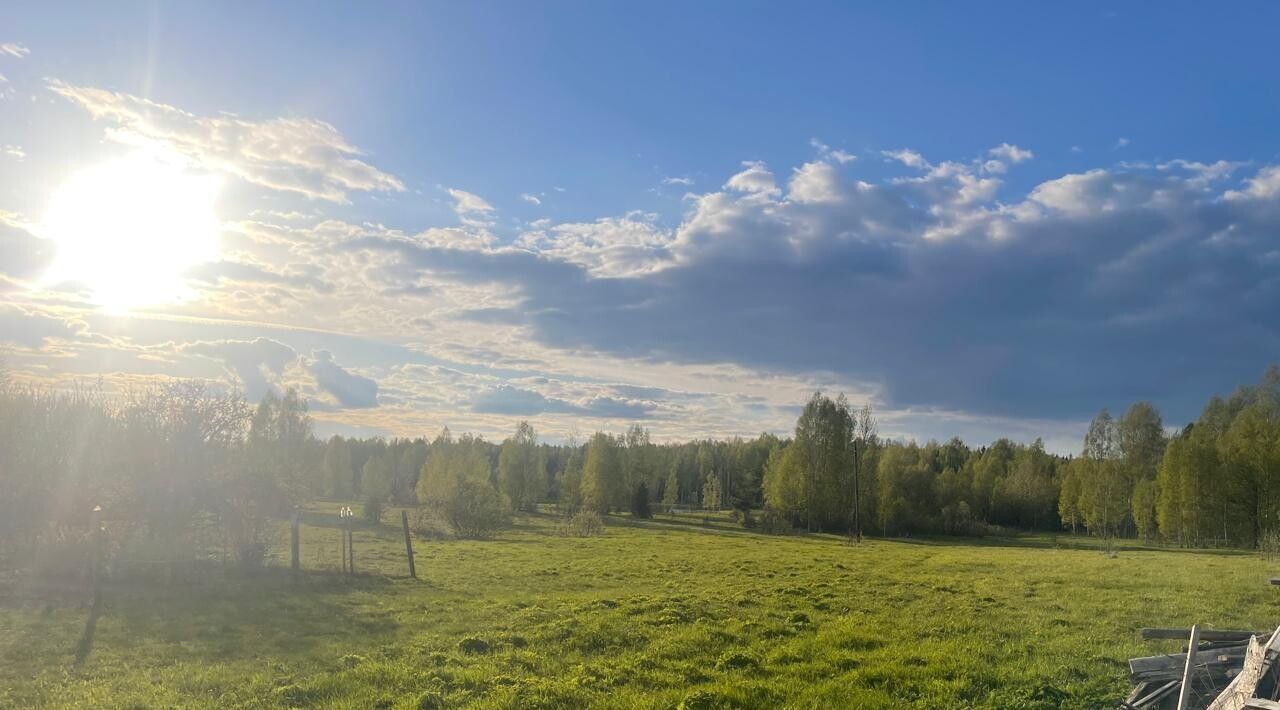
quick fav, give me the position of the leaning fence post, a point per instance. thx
(408, 543)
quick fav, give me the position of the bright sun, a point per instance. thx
(129, 229)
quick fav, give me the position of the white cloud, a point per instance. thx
(1121, 142)
(824, 150)
(1011, 153)
(1263, 186)
(814, 182)
(995, 167)
(531, 199)
(300, 155)
(13, 151)
(12, 49)
(907, 157)
(615, 247)
(686, 181)
(755, 179)
(472, 209)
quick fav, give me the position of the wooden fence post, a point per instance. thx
(351, 549)
(408, 543)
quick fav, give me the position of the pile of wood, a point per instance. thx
(1218, 670)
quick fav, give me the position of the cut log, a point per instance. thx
(1261, 704)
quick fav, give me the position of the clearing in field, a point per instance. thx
(677, 612)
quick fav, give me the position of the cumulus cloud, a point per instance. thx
(30, 326)
(473, 210)
(301, 155)
(256, 365)
(516, 401)
(754, 179)
(907, 157)
(350, 390)
(612, 247)
(1080, 293)
(263, 365)
(1011, 153)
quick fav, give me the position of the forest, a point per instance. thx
(184, 467)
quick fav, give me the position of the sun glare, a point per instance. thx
(128, 230)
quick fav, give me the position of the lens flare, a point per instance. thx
(127, 230)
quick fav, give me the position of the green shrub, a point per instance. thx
(373, 509)
(475, 510)
(640, 502)
(585, 523)
(776, 522)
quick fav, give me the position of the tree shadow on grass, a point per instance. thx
(271, 612)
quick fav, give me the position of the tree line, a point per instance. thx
(178, 464)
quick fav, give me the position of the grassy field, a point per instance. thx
(651, 614)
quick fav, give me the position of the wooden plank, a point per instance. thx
(1205, 634)
(1215, 664)
(1155, 695)
(1184, 695)
(1275, 581)
(1261, 704)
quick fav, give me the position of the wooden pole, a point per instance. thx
(1184, 695)
(351, 549)
(342, 544)
(408, 543)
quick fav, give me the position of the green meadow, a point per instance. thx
(685, 611)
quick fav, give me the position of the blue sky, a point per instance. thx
(986, 221)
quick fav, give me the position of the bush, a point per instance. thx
(472, 645)
(373, 509)
(586, 523)
(776, 522)
(640, 502)
(428, 525)
(475, 510)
